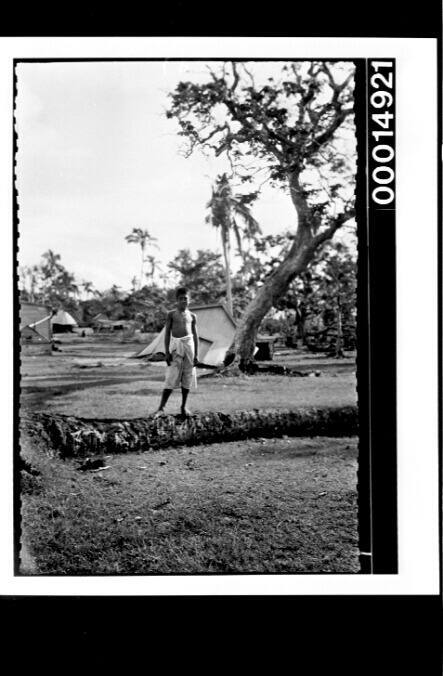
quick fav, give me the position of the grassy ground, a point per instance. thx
(101, 380)
(266, 506)
(278, 505)
(137, 398)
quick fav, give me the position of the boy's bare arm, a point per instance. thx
(168, 338)
(195, 335)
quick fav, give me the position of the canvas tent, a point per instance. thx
(216, 329)
(35, 328)
(62, 322)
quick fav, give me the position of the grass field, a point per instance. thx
(264, 506)
(73, 383)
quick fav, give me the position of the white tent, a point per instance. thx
(216, 329)
(35, 328)
(63, 318)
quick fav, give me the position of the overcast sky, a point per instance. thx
(97, 156)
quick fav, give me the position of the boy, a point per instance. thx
(181, 351)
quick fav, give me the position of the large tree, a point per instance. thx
(297, 128)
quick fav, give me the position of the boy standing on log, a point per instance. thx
(181, 351)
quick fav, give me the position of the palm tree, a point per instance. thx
(155, 266)
(141, 237)
(66, 284)
(224, 207)
(87, 287)
(32, 275)
(51, 270)
(114, 292)
(51, 263)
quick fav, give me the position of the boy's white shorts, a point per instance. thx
(180, 373)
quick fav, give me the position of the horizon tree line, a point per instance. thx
(305, 312)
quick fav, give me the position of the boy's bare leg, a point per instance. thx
(165, 396)
(184, 410)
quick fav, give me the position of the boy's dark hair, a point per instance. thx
(181, 291)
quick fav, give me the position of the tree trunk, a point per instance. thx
(339, 324)
(227, 257)
(142, 266)
(273, 288)
(301, 329)
(300, 255)
(32, 289)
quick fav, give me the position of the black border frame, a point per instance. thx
(370, 624)
(377, 491)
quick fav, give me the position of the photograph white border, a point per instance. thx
(417, 308)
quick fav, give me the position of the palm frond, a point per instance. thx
(252, 225)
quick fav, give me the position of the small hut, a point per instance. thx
(63, 322)
(103, 325)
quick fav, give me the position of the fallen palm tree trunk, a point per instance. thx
(69, 436)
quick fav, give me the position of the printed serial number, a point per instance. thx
(381, 100)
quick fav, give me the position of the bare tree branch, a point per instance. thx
(338, 88)
(326, 136)
(248, 72)
(213, 75)
(228, 155)
(236, 76)
(217, 129)
(329, 232)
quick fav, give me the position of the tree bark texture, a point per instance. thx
(68, 436)
(272, 289)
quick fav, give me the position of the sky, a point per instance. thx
(97, 156)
